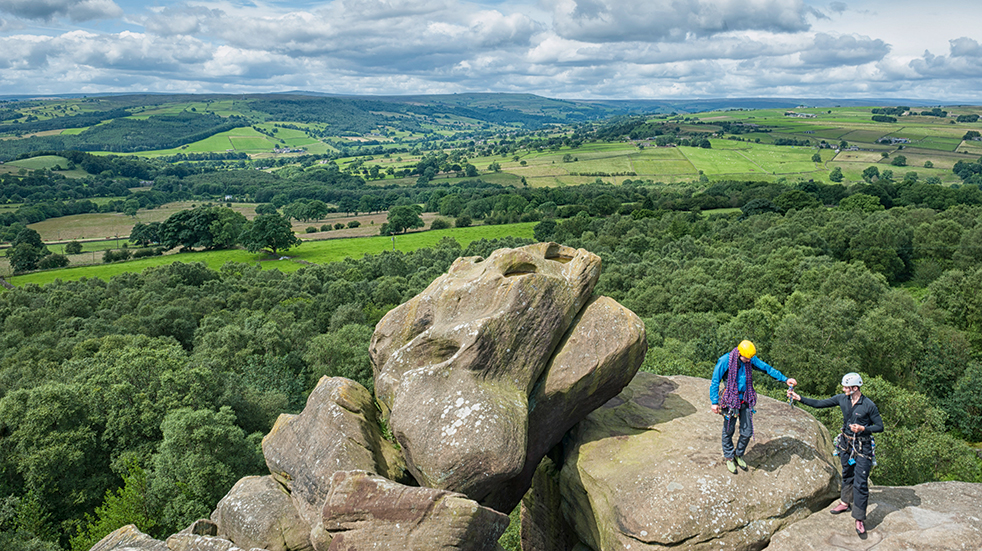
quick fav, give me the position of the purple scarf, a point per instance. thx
(731, 395)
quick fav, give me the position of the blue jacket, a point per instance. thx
(722, 366)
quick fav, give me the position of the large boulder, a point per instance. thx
(366, 511)
(543, 526)
(935, 516)
(599, 356)
(645, 471)
(463, 369)
(129, 538)
(337, 430)
(258, 512)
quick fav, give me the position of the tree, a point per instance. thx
(271, 232)
(899, 160)
(331, 354)
(127, 505)
(53, 260)
(265, 208)
(26, 250)
(545, 230)
(758, 206)
(870, 173)
(861, 202)
(202, 454)
(402, 218)
(836, 175)
(817, 158)
(451, 205)
(73, 247)
(796, 199)
(51, 444)
(143, 234)
(494, 166)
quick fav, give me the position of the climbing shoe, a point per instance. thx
(741, 463)
(840, 508)
(731, 466)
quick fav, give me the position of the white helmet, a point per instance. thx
(852, 379)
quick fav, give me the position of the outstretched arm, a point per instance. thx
(826, 403)
(763, 366)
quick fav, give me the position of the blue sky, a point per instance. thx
(556, 48)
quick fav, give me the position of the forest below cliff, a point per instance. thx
(143, 399)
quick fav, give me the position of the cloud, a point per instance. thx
(828, 50)
(396, 37)
(675, 20)
(838, 7)
(75, 10)
(964, 61)
(177, 20)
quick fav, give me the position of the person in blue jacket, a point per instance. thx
(738, 399)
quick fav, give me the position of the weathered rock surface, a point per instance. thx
(599, 357)
(934, 516)
(336, 431)
(543, 526)
(129, 538)
(258, 512)
(645, 471)
(195, 542)
(365, 511)
(460, 366)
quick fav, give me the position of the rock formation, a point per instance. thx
(459, 368)
(128, 538)
(365, 511)
(258, 512)
(645, 471)
(337, 431)
(934, 516)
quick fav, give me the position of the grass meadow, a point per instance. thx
(309, 252)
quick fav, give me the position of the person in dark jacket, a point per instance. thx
(736, 369)
(860, 419)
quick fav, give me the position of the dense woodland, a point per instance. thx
(161, 384)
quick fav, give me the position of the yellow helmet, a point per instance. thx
(747, 349)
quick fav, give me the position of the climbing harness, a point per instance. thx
(855, 446)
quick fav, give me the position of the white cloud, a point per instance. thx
(964, 61)
(828, 50)
(75, 10)
(675, 20)
(557, 48)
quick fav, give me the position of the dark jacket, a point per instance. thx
(865, 412)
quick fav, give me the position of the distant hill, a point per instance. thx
(148, 122)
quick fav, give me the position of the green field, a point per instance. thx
(715, 162)
(316, 252)
(47, 162)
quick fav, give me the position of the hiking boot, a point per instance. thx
(860, 528)
(841, 508)
(741, 463)
(731, 466)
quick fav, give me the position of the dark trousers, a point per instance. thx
(745, 417)
(855, 483)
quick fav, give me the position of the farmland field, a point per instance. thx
(316, 252)
(46, 162)
(719, 162)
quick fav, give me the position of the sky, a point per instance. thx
(569, 49)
